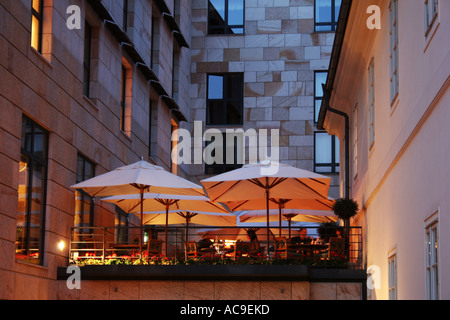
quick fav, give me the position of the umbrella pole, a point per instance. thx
(167, 224)
(279, 218)
(267, 211)
(142, 222)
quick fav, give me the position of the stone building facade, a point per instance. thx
(277, 52)
(81, 101)
(77, 102)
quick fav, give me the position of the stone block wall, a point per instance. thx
(47, 87)
(278, 55)
(210, 290)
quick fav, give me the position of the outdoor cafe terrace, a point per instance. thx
(183, 225)
(323, 246)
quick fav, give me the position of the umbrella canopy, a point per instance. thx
(156, 209)
(299, 204)
(325, 207)
(283, 181)
(289, 215)
(315, 216)
(159, 202)
(181, 217)
(265, 181)
(138, 178)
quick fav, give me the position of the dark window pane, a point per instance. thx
(234, 113)
(27, 130)
(234, 86)
(216, 113)
(40, 143)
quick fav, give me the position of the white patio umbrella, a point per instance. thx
(155, 208)
(186, 217)
(311, 216)
(319, 209)
(272, 180)
(138, 178)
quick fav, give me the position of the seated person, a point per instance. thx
(255, 247)
(206, 243)
(302, 237)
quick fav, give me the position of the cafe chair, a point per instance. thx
(154, 247)
(336, 246)
(190, 248)
(280, 250)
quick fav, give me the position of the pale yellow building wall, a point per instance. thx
(404, 178)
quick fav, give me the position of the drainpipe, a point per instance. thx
(326, 95)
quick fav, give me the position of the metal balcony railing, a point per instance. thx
(317, 247)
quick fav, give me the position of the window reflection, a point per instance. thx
(31, 192)
(226, 17)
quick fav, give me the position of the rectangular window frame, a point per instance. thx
(39, 16)
(432, 258)
(28, 152)
(355, 142)
(87, 60)
(226, 28)
(317, 98)
(392, 275)
(371, 84)
(431, 14)
(334, 18)
(394, 51)
(335, 161)
(83, 197)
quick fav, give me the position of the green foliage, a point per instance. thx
(345, 208)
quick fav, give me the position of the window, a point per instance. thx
(326, 153)
(226, 17)
(225, 99)
(355, 142)
(87, 59)
(431, 12)
(173, 147)
(326, 14)
(371, 104)
(37, 9)
(125, 15)
(223, 152)
(393, 33)
(432, 275)
(320, 77)
(121, 223)
(155, 44)
(176, 70)
(84, 204)
(32, 192)
(392, 276)
(125, 98)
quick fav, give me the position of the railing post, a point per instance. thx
(104, 244)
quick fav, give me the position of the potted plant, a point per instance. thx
(326, 230)
(345, 208)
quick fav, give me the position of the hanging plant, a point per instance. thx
(345, 208)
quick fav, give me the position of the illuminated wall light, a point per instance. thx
(61, 245)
